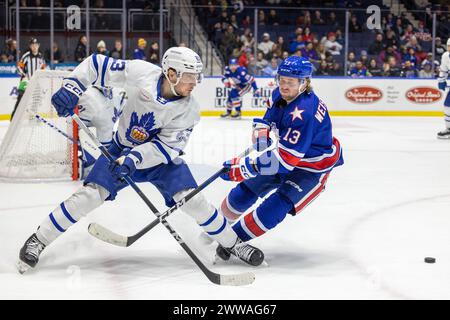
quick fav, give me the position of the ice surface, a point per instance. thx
(365, 237)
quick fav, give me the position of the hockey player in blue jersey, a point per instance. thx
(296, 166)
(240, 82)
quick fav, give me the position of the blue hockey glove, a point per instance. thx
(125, 165)
(257, 93)
(64, 102)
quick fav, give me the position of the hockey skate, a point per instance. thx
(247, 253)
(29, 254)
(225, 115)
(236, 116)
(445, 134)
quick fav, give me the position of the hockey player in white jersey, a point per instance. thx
(153, 129)
(442, 84)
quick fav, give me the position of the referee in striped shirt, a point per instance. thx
(31, 61)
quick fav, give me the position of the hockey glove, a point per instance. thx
(240, 169)
(260, 135)
(256, 93)
(64, 102)
(125, 165)
(442, 85)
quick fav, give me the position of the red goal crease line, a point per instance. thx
(359, 113)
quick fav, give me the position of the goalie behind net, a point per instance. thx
(33, 151)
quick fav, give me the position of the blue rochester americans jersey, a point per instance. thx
(240, 78)
(305, 133)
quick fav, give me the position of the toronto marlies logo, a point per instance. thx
(140, 130)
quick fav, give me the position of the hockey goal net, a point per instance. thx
(38, 144)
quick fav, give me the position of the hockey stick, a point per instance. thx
(54, 127)
(111, 237)
(232, 280)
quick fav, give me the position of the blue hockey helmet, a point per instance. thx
(295, 67)
(233, 61)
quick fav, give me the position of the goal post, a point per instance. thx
(32, 150)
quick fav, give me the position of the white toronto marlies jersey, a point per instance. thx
(156, 128)
(444, 68)
(100, 108)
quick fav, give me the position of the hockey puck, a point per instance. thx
(430, 260)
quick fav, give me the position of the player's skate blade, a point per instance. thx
(444, 134)
(225, 115)
(245, 252)
(29, 254)
(236, 116)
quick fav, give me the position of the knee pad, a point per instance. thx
(198, 207)
(267, 216)
(85, 200)
(239, 200)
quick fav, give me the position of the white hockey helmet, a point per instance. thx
(184, 61)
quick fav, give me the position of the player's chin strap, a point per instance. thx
(172, 86)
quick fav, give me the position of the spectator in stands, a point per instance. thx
(298, 43)
(261, 63)
(411, 57)
(408, 70)
(266, 45)
(116, 53)
(321, 51)
(11, 50)
(271, 69)
(339, 37)
(389, 52)
(101, 48)
(276, 51)
(351, 61)
(81, 49)
(251, 66)
(364, 58)
(247, 38)
(234, 22)
(57, 55)
(355, 26)
(378, 45)
(408, 33)
(284, 55)
(359, 71)
(228, 42)
(428, 59)
(224, 19)
(318, 20)
(310, 53)
(323, 69)
(413, 43)
(99, 20)
(398, 28)
(427, 70)
(439, 49)
(4, 58)
(391, 69)
(154, 53)
(139, 52)
(391, 40)
(333, 21)
(282, 44)
(244, 57)
(273, 19)
(374, 69)
(307, 36)
(246, 22)
(331, 45)
(261, 18)
(336, 70)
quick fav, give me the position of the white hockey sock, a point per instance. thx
(447, 117)
(69, 212)
(208, 218)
